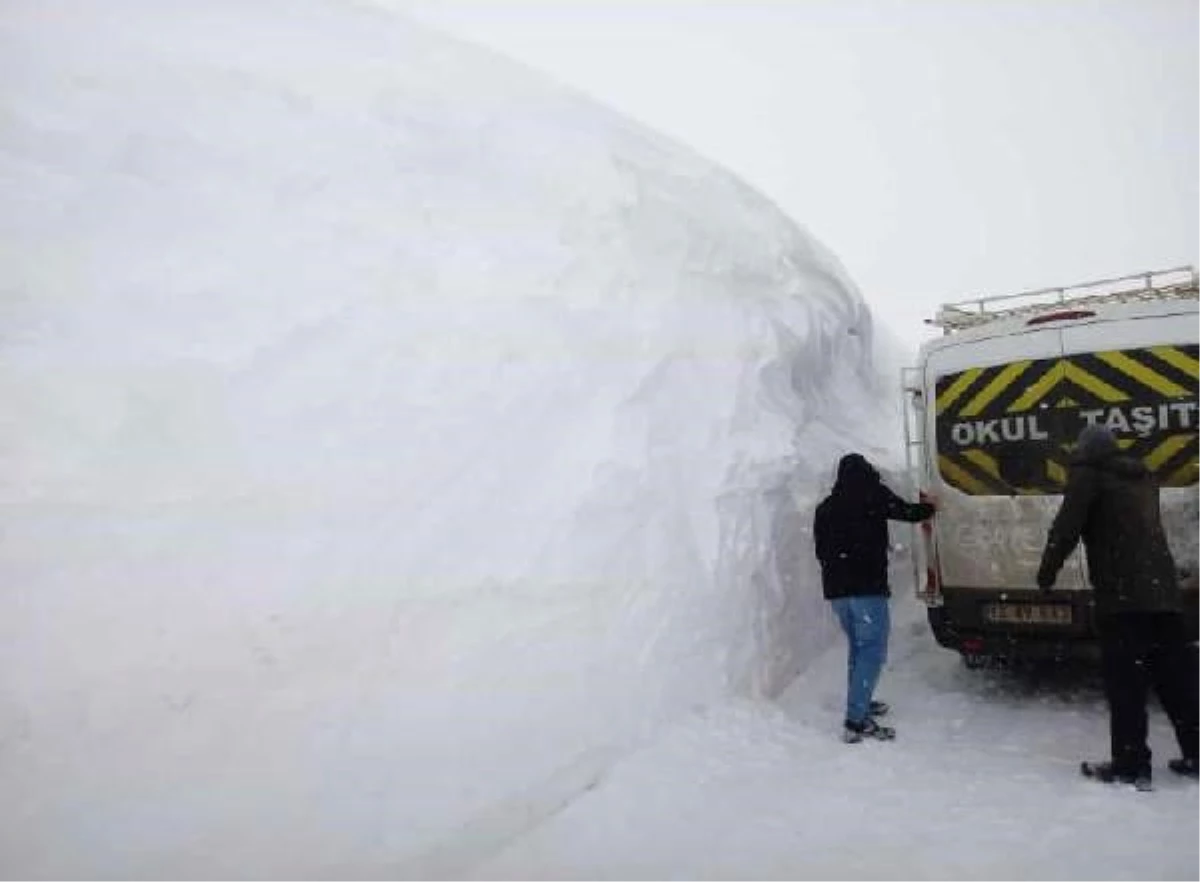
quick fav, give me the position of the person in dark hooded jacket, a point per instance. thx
(850, 531)
(1111, 503)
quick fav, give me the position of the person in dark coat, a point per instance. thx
(1111, 502)
(850, 531)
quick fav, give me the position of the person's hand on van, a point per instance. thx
(1045, 580)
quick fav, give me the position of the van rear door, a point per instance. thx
(1000, 436)
(1142, 384)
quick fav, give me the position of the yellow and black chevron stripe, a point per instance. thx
(1008, 429)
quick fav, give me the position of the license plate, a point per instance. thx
(1028, 613)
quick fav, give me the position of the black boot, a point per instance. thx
(868, 728)
(1187, 766)
(1110, 774)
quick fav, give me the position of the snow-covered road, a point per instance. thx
(981, 783)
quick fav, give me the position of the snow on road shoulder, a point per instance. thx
(386, 430)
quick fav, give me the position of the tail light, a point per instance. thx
(1061, 316)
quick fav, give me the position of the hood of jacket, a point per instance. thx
(855, 476)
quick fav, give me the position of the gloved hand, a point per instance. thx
(1045, 580)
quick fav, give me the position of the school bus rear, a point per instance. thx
(1000, 409)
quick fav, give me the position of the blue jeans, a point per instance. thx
(866, 622)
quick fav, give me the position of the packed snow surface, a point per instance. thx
(403, 457)
(982, 783)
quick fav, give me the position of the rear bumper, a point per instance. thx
(961, 624)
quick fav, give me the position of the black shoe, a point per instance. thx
(879, 708)
(1109, 774)
(1187, 766)
(868, 728)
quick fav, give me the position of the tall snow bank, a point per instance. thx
(386, 430)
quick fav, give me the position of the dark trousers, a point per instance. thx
(1141, 650)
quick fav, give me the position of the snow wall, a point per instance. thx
(388, 434)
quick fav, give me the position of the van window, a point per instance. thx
(1008, 429)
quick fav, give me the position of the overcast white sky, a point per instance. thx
(942, 148)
